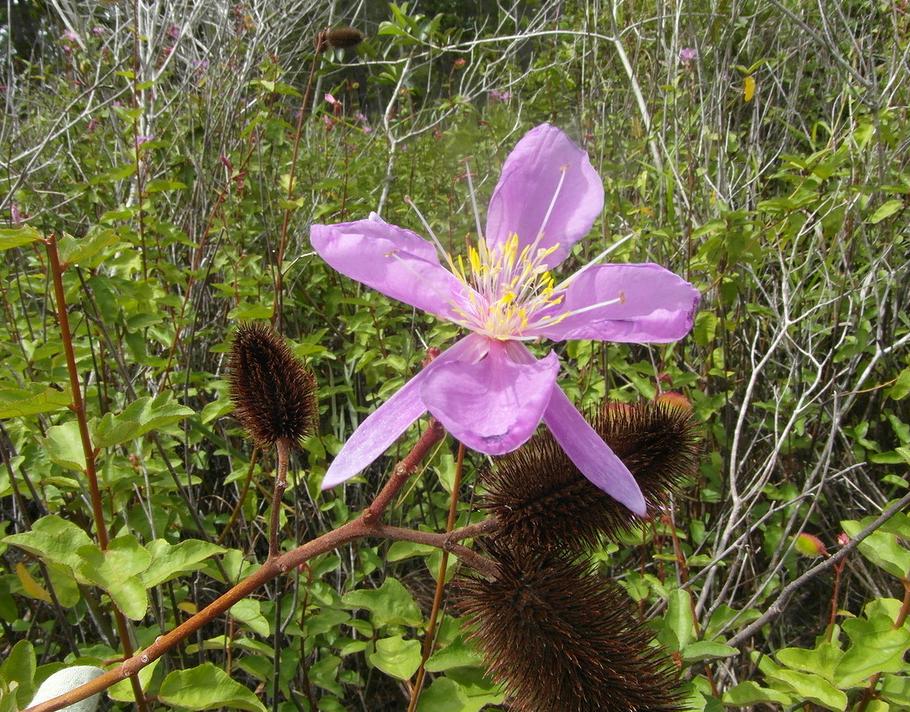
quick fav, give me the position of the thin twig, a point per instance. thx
(429, 637)
(776, 608)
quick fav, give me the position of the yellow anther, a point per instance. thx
(474, 258)
(507, 298)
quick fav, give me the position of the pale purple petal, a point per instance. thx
(529, 180)
(384, 425)
(591, 455)
(651, 304)
(492, 403)
(391, 260)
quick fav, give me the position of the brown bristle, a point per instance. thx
(561, 639)
(274, 394)
(343, 37)
(542, 499)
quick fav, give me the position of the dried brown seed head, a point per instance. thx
(344, 37)
(561, 639)
(274, 394)
(542, 499)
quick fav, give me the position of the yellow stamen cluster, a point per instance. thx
(510, 286)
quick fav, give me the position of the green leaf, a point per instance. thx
(87, 251)
(64, 446)
(876, 646)
(444, 695)
(117, 572)
(19, 667)
(207, 687)
(458, 653)
(679, 617)
(705, 328)
(138, 418)
(810, 688)
(248, 612)
(19, 402)
(169, 560)
(707, 650)
(822, 660)
(396, 656)
(18, 236)
(885, 210)
(401, 550)
(123, 691)
(749, 693)
(896, 689)
(881, 548)
(900, 389)
(52, 539)
(390, 604)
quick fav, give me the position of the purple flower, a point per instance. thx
(687, 55)
(15, 215)
(488, 390)
(500, 96)
(173, 31)
(99, 31)
(70, 36)
(140, 140)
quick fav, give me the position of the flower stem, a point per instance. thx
(429, 638)
(88, 450)
(283, 448)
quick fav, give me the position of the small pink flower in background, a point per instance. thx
(330, 98)
(459, 63)
(14, 214)
(488, 390)
(174, 32)
(687, 55)
(500, 96)
(328, 121)
(843, 539)
(140, 140)
(91, 125)
(70, 36)
(99, 31)
(361, 118)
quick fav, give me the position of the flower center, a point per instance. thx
(510, 285)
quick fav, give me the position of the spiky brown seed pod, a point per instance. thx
(274, 394)
(543, 500)
(344, 37)
(561, 639)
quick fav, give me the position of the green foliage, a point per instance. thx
(786, 210)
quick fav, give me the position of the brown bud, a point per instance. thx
(274, 394)
(561, 639)
(344, 37)
(542, 499)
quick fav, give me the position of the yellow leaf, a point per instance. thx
(32, 588)
(188, 607)
(748, 88)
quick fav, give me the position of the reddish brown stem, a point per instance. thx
(357, 529)
(430, 637)
(66, 335)
(367, 525)
(403, 471)
(283, 448)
